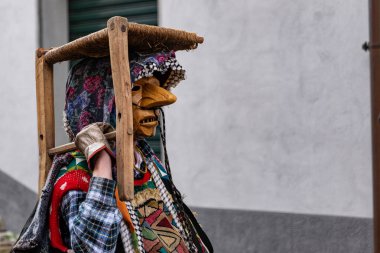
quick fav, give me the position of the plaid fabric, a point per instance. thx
(145, 149)
(93, 220)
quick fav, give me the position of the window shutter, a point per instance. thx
(87, 16)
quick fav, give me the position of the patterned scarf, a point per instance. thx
(89, 91)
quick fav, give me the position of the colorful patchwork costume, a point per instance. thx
(85, 212)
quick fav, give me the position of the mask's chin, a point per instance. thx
(146, 126)
(146, 130)
(145, 122)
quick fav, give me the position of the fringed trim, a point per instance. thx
(177, 73)
(137, 240)
(126, 237)
(66, 126)
(142, 197)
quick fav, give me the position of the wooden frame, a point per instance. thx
(115, 41)
(45, 114)
(374, 47)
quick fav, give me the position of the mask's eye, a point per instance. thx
(136, 88)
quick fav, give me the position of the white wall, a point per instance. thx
(274, 114)
(18, 128)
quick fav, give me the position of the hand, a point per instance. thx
(91, 141)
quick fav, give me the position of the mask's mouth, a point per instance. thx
(149, 121)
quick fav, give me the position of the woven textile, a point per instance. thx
(34, 236)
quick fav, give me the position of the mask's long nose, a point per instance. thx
(155, 96)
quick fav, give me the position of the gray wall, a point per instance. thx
(266, 232)
(18, 128)
(20, 38)
(274, 114)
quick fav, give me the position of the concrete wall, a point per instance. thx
(18, 128)
(20, 38)
(266, 232)
(55, 32)
(274, 114)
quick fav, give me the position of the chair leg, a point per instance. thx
(118, 45)
(45, 114)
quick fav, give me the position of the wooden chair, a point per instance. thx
(115, 41)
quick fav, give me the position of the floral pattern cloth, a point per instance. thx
(89, 90)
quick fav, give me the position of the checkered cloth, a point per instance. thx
(93, 220)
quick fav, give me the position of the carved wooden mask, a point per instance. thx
(147, 97)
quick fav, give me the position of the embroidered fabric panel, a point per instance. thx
(167, 201)
(159, 230)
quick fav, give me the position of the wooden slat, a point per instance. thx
(45, 114)
(118, 45)
(375, 90)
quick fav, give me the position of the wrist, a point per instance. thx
(102, 165)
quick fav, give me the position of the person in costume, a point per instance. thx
(85, 214)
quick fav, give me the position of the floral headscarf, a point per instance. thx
(89, 91)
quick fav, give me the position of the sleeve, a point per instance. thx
(93, 219)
